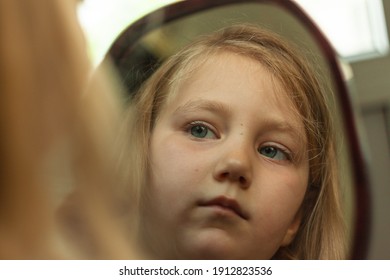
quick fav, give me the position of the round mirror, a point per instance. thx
(145, 44)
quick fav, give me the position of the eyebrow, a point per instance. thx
(204, 105)
(281, 125)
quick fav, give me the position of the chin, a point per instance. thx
(217, 244)
(212, 253)
(212, 246)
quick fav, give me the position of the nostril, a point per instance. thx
(224, 175)
(234, 170)
(230, 176)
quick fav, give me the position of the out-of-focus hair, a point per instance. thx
(57, 138)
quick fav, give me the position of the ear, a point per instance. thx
(292, 229)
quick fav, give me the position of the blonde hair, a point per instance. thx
(321, 234)
(56, 137)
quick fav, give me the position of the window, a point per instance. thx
(103, 20)
(356, 28)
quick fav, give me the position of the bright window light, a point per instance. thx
(356, 28)
(103, 20)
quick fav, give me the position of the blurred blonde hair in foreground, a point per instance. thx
(56, 135)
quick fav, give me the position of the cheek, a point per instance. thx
(174, 170)
(279, 201)
(175, 161)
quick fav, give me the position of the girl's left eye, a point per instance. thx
(200, 130)
(274, 153)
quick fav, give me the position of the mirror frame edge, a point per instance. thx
(362, 202)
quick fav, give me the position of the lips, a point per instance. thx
(227, 203)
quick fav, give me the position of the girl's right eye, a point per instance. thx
(201, 130)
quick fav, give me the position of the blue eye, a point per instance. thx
(201, 131)
(274, 153)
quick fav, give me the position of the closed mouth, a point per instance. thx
(228, 203)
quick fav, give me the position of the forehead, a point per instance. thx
(227, 75)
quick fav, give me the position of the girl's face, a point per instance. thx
(229, 166)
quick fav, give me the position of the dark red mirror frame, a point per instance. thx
(124, 44)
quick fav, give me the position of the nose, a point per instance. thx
(235, 166)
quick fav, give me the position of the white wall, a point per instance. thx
(372, 84)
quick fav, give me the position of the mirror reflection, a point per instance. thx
(141, 55)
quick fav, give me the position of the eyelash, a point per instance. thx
(286, 152)
(193, 124)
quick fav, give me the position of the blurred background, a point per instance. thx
(358, 30)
